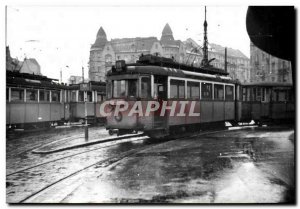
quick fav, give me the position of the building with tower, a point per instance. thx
(104, 53)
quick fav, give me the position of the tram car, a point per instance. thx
(266, 102)
(34, 101)
(210, 91)
(94, 95)
(212, 95)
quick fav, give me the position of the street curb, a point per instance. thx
(36, 151)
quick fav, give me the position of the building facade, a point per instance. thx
(104, 53)
(238, 64)
(267, 68)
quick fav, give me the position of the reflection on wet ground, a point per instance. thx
(249, 166)
(241, 166)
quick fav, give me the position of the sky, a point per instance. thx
(60, 36)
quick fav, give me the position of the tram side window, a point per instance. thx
(73, 96)
(44, 95)
(206, 90)
(229, 93)
(145, 87)
(81, 96)
(177, 89)
(99, 97)
(108, 91)
(218, 92)
(55, 96)
(258, 94)
(193, 90)
(17, 94)
(281, 96)
(244, 94)
(31, 95)
(89, 96)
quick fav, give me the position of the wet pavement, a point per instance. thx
(253, 165)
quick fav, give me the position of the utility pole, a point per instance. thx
(225, 60)
(86, 128)
(60, 75)
(205, 44)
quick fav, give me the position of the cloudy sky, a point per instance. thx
(60, 36)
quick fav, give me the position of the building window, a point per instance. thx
(206, 90)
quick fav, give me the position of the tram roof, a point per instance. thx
(166, 71)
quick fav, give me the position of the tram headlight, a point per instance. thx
(118, 117)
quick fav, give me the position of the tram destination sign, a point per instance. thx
(85, 87)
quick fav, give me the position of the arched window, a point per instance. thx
(108, 59)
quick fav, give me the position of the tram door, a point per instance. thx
(160, 94)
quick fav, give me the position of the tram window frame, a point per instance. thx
(109, 89)
(119, 90)
(131, 88)
(31, 95)
(53, 93)
(21, 95)
(258, 95)
(45, 97)
(193, 90)
(89, 96)
(244, 94)
(229, 97)
(218, 96)
(73, 96)
(99, 97)
(281, 98)
(177, 89)
(80, 96)
(206, 93)
(145, 93)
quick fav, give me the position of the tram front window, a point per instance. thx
(124, 88)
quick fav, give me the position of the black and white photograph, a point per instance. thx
(150, 104)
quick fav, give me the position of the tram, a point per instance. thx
(209, 93)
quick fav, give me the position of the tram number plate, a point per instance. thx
(85, 87)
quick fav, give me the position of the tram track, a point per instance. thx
(80, 153)
(98, 164)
